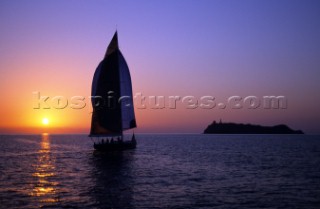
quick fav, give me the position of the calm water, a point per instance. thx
(165, 171)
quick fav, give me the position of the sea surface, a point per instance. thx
(165, 171)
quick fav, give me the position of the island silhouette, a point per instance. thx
(239, 128)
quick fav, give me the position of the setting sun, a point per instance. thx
(45, 121)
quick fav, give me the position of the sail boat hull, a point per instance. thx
(118, 145)
(126, 145)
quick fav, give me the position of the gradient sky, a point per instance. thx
(219, 48)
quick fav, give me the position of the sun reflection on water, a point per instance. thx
(45, 188)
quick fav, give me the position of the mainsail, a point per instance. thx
(112, 100)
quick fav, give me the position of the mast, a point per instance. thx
(112, 99)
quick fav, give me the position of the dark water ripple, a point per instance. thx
(165, 171)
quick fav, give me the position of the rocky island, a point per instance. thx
(236, 128)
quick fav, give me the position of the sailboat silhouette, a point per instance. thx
(112, 101)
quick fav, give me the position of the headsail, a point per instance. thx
(112, 100)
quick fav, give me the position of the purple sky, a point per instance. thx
(219, 48)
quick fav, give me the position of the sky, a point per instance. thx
(218, 48)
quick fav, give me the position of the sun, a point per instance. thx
(45, 121)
